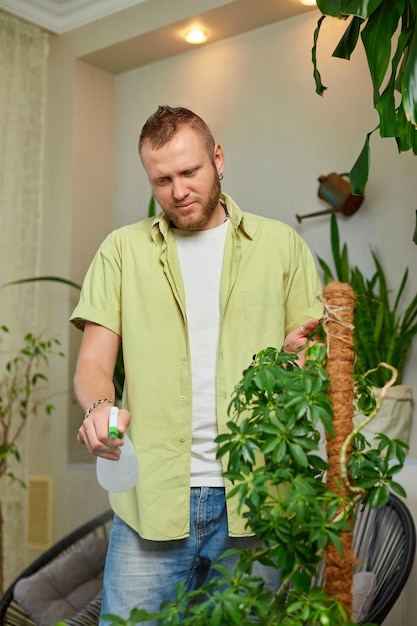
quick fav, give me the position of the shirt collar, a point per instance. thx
(161, 225)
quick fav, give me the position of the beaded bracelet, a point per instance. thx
(96, 403)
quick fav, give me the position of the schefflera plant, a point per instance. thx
(279, 412)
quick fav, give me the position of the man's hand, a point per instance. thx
(298, 338)
(94, 433)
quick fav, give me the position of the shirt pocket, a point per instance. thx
(264, 319)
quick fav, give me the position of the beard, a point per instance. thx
(197, 221)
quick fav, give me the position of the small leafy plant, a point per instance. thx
(19, 400)
(277, 411)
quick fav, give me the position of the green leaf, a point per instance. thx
(35, 279)
(298, 454)
(399, 489)
(265, 379)
(415, 231)
(217, 615)
(330, 7)
(38, 376)
(348, 42)
(335, 243)
(390, 123)
(334, 538)
(320, 88)
(385, 105)
(409, 81)
(364, 8)
(376, 37)
(152, 206)
(327, 272)
(359, 173)
(406, 133)
(379, 496)
(231, 609)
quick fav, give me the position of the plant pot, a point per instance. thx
(394, 416)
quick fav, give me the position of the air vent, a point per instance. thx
(39, 530)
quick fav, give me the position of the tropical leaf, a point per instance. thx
(320, 88)
(363, 8)
(358, 175)
(330, 7)
(409, 81)
(36, 279)
(348, 42)
(376, 37)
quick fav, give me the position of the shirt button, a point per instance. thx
(182, 398)
(182, 439)
(184, 358)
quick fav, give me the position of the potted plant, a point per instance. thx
(19, 401)
(276, 411)
(388, 31)
(384, 333)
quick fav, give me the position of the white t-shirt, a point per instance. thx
(201, 257)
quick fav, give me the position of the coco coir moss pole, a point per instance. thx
(339, 302)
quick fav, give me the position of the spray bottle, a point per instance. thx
(123, 474)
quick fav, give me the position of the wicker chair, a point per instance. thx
(385, 544)
(12, 614)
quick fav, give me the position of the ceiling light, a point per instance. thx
(196, 35)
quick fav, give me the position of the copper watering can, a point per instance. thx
(335, 189)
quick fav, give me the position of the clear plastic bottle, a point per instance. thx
(118, 475)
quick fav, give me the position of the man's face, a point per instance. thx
(185, 181)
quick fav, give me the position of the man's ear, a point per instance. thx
(219, 158)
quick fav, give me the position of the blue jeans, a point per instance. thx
(141, 573)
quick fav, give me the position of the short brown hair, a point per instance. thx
(162, 125)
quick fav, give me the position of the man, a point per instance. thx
(193, 294)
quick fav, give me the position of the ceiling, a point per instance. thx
(224, 19)
(60, 16)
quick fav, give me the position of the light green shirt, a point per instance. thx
(269, 287)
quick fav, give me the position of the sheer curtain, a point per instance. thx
(23, 55)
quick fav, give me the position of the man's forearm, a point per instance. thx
(92, 386)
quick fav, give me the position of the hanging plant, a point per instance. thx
(388, 31)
